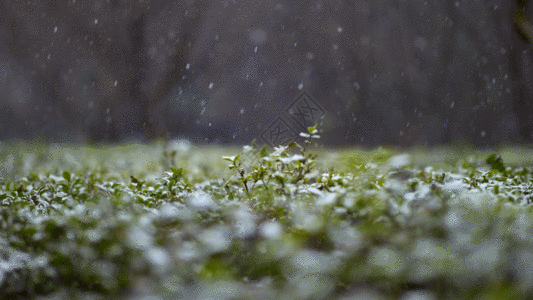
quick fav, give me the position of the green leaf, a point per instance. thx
(20, 191)
(293, 144)
(177, 173)
(33, 177)
(264, 151)
(66, 175)
(233, 159)
(253, 142)
(312, 130)
(171, 184)
(496, 163)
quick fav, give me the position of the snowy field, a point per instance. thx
(178, 221)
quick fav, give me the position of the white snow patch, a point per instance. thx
(271, 230)
(400, 161)
(200, 200)
(218, 239)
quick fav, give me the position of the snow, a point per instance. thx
(271, 230)
(200, 200)
(400, 161)
(158, 257)
(218, 238)
(139, 238)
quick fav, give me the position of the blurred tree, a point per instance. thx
(400, 72)
(92, 66)
(523, 26)
(521, 61)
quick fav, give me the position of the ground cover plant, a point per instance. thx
(173, 221)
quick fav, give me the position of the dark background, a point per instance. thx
(384, 72)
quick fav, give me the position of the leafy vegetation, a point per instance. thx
(168, 220)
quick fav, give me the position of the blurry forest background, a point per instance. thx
(372, 72)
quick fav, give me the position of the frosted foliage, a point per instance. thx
(348, 238)
(94, 235)
(168, 211)
(271, 230)
(217, 239)
(38, 262)
(219, 290)
(520, 227)
(420, 193)
(400, 161)
(16, 261)
(399, 209)
(188, 251)
(486, 257)
(314, 286)
(294, 158)
(418, 295)
(200, 200)
(478, 199)
(307, 222)
(312, 262)
(454, 184)
(244, 223)
(181, 146)
(428, 249)
(523, 269)
(398, 187)
(453, 219)
(159, 258)
(328, 198)
(139, 238)
(364, 294)
(387, 259)
(4, 268)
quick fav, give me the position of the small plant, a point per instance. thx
(276, 167)
(496, 163)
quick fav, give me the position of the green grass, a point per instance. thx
(174, 220)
